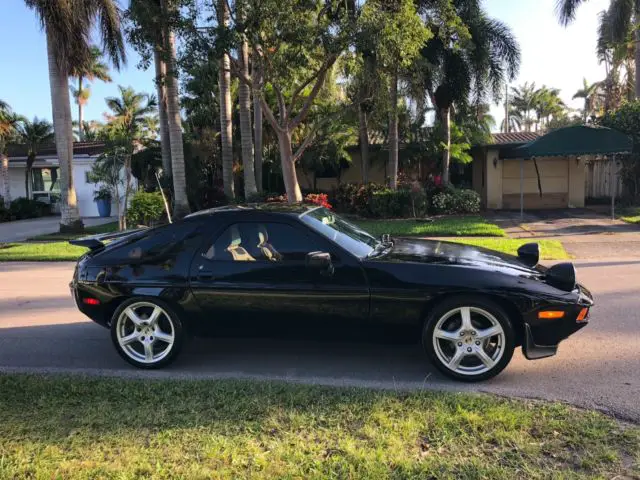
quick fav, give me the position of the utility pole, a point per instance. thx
(506, 108)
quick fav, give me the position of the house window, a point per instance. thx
(45, 180)
(86, 177)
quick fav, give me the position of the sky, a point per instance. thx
(551, 55)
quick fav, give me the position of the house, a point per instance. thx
(529, 170)
(44, 181)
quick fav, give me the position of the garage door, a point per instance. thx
(554, 179)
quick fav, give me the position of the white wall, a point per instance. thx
(16, 182)
(84, 190)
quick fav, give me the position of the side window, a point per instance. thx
(262, 242)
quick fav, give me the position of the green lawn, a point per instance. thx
(549, 249)
(469, 226)
(62, 251)
(40, 252)
(106, 228)
(79, 428)
(630, 215)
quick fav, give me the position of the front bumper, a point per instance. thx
(542, 337)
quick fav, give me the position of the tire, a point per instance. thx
(456, 349)
(149, 341)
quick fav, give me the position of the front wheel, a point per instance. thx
(146, 333)
(469, 339)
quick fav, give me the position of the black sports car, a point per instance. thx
(306, 265)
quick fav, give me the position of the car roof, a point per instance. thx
(280, 208)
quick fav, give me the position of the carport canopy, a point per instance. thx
(571, 142)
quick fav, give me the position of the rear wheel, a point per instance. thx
(146, 333)
(469, 338)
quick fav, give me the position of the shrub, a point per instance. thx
(311, 198)
(102, 193)
(5, 215)
(146, 208)
(22, 208)
(456, 201)
(356, 198)
(398, 204)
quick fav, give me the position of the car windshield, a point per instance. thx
(337, 229)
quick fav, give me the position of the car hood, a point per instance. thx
(449, 253)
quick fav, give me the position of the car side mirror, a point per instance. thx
(320, 261)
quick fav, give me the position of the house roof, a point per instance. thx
(49, 150)
(513, 138)
(575, 140)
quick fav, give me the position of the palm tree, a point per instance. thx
(94, 69)
(130, 112)
(547, 104)
(244, 94)
(226, 131)
(33, 134)
(8, 123)
(523, 101)
(476, 70)
(590, 93)
(624, 16)
(68, 26)
(128, 121)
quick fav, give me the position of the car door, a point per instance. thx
(257, 272)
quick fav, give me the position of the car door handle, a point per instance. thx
(206, 276)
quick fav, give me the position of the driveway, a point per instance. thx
(23, 229)
(584, 233)
(599, 367)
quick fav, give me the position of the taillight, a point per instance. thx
(91, 301)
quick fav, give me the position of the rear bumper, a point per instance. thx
(94, 312)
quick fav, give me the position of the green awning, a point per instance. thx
(576, 140)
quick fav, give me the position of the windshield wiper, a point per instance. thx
(385, 244)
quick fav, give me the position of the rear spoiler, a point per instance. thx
(95, 242)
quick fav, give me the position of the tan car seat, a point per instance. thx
(238, 253)
(265, 247)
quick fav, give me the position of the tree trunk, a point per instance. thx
(363, 133)
(637, 52)
(80, 111)
(289, 175)
(5, 190)
(393, 132)
(226, 131)
(446, 156)
(181, 202)
(257, 122)
(161, 73)
(62, 124)
(246, 136)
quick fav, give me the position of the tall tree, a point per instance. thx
(523, 101)
(624, 16)
(224, 85)
(151, 29)
(590, 93)
(397, 34)
(8, 123)
(128, 119)
(92, 70)
(33, 133)
(257, 68)
(469, 60)
(68, 26)
(299, 42)
(244, 94)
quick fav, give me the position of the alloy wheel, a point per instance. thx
(145, 332)
(469, 340)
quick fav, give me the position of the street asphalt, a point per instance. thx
(599, 367)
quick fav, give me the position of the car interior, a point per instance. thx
(244, 243)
